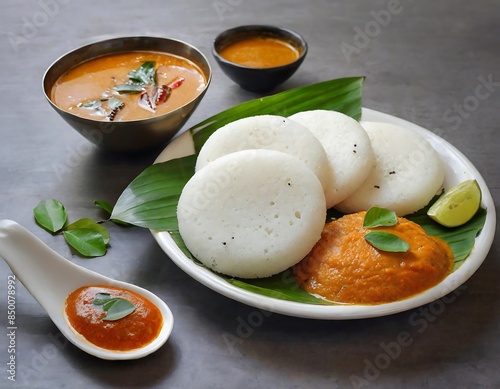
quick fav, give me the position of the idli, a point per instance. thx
(407, 173)
(252, 213)
(270, 132)
(348, 149)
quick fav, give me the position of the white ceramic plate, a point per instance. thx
(458, 169)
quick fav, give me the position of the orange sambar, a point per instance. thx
(136, 330)
(94, 79)
(344, 268)
(260, 52)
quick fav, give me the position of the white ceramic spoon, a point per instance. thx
(50, 278)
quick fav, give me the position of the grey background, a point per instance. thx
(422, 65)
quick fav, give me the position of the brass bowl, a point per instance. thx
(132, 135)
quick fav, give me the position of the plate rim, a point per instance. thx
(183, 145)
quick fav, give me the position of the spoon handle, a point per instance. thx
(41, 270)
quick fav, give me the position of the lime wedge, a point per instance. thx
(457, 205)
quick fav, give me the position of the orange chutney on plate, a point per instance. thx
(260, 52)
(343, 267)
(133, 331)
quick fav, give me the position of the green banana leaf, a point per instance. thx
(151, 199)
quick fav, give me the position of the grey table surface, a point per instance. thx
(423, 61)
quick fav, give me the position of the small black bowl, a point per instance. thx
(258, 79)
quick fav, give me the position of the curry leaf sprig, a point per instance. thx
(145, 74)
(115, 307)
(138, 79)
(385, 241)
(86, 236)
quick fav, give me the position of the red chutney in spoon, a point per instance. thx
(135, 330)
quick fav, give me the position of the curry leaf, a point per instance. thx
(139, 78)
(386, 241)
(118, 308)
(129, 88)
(101, 298)
(92, 225)
(379, 217)
(51, 215)
(95, 106)
(86, 241)
(92, 104)
(115, 307)
(114, 103)
(145, 74)
(108, 304)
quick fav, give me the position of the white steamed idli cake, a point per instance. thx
(271, 132)
(252, 213)
(407, 173)
(347, 147)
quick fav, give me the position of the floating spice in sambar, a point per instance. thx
(260, 52)
(113, 318)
